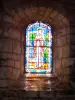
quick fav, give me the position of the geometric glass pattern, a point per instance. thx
(38, 48)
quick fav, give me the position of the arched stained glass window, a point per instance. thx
(38, 55)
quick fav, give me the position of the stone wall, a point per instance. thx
(14, 20)
(61, 47)
(12, 40)
(11, 52)
(37, 95)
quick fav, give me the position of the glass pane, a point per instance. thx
(38, 56)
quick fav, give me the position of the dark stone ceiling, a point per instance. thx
(60, 5)
(37, 3)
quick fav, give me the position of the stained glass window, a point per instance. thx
(38, 48)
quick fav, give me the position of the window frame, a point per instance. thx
(44, 46)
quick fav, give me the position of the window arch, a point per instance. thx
(38, 55)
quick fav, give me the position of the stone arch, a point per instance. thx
(16, 22)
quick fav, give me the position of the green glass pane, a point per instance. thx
(46, 53)
(46, 37)
(32, 36)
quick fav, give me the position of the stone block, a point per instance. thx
(61, 17)
(34, 10)
(7, 18)
(16, 17)
(22, 70)
(28, 13)
(65, 79)
(72, 39)
(66, 62)
(66, 71)
(66, 51)
(31, 94)
(11, 63)
(11, 81)
(59, 71)
(3, 83)
(47, 13)
(17, 64)
(53, 14)
(14, 34)
(46, 94)
(13, 56)
(22, 59)
(68, 39)
(10, 72)
(3, 62)
(0, 32)
(21, 13)
(72, 54)
(16, 74)
(59, 52)
(9, 45)
(9, 56)
(66, 94)
(17, 47)
(6, 62)
(22, 64)
(54, 40)
(58, 63)
(62, 31)
(3, 72)
(3, 55)
(61, 41)
(54, 65)
(73, 30)
(14, 22)
(62, 71)
(72, 48)
(6, 45)
(22, 35)
(55, 52)
(5, 33)
(65, 22)
(23, 49)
